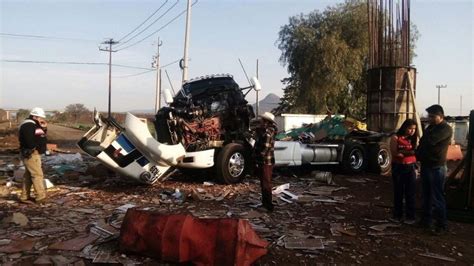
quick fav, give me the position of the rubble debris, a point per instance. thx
(382, 227)
(303, 243)
(437, 256)
(105, 257)
(43, 260)
(323, 176)
(235, 243)
(279, 189)
(16, 246)
(75, 244)
(34, 233)
(19, 219)
(5, 242)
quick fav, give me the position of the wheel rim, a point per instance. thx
(383, 158)
(236, 164)
(356, 159)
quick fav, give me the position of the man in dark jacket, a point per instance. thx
(265, 130)
(432, 153)
(32, 136)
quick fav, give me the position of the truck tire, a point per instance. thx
(380, 158)
(232, 163)
(354, 159)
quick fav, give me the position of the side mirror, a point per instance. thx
(168, 96)
(256, 84)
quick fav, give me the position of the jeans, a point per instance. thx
(264, 173)
(434, 203)
(404, 187)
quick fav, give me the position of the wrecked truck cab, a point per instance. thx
(210, 117)
(130, 150)
(205, 126)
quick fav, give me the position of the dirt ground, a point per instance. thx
(339, 217)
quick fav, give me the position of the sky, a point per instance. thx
(222, 31)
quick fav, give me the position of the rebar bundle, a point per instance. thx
(389, 33)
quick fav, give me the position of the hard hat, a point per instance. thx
(37, 111)
(268, 116)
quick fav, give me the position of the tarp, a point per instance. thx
(183, 238)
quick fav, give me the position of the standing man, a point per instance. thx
(432, 155)
(32, 138)
(265, 130)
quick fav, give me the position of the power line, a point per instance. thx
(148, 71)
(44, 37)
(133, 75)
(156, 20)
(69, 63)
(159, 8)
(164, 26)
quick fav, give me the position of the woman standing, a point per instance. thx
(402, 146)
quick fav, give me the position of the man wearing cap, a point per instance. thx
(432, 154)
(265, 129)
(32, 136)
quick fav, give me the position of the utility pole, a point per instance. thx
(158, 77)
(460, 105)
(110, 42)
(186, 42)
(439, 94)
(256, 93)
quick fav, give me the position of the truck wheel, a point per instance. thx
(354, 159)
(380, 158)
(231, 163)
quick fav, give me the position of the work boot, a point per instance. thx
(26, 201)
(41, 200)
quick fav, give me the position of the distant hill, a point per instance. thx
(149, 111)
(268, 103)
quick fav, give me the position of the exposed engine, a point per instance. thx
(206, 113)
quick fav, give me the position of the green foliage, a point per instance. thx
(74, 111)
(326, 57)
(22, 114)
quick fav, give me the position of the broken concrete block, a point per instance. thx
(75, 244)
(43, 261)
(19, 219)
(18, 246)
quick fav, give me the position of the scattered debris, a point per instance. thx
(75, 244)
(303, 243)
(19, 219)
(437, 256)
(16, 246)
(382, 227)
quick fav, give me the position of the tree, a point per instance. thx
(22, 114)
(326, 57)
(75, 111)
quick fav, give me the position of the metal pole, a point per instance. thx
(186, 42)
(158, 78)
(256, 95)
(110, 79)
(110, 42)
(439, 93)
(460, 105)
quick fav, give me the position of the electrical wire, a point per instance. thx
(43, 37)
(156, 20)
(144, 72)
(69, 63)
(159, 8)
(164, 26)
(137, 74)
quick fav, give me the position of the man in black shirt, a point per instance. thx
(32, 136)
(432, 153)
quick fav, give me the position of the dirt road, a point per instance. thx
(65, 137)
